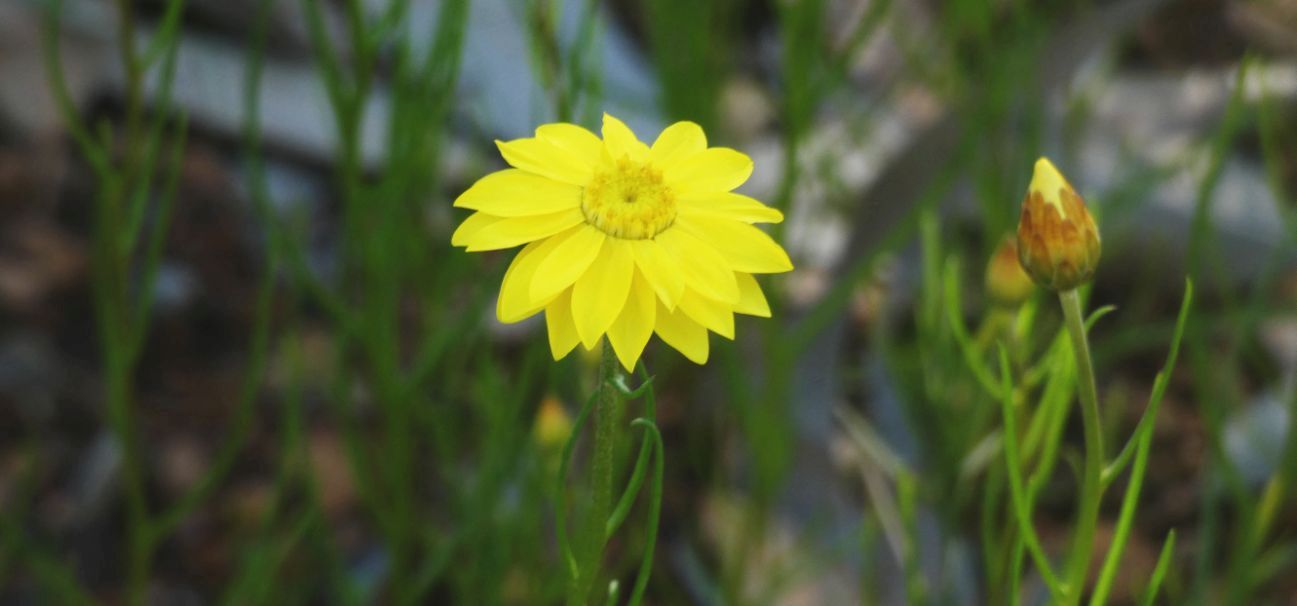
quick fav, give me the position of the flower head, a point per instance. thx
(1006, 283)
(1058, 243)
(624, 239)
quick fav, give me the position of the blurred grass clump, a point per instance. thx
(337, 417)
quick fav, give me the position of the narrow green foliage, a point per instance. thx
(1159, 571)
(627, 499)
(560, 509)
(688, 42)
(135, 200)
(954, 316)
(907, 498)
(655, 507)
(1021, 506)
(1144, 437)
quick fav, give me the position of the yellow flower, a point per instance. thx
(623, 238)
(1006, 283)
(1058, 243)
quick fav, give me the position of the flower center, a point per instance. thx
(628, 200)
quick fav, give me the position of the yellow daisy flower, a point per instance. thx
(624, 239)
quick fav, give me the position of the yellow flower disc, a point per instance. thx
(623, 239)
(629, 200)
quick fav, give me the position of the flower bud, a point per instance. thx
(1006, 284)
(553, 426)
(1058, 243)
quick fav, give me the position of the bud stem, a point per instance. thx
(1091, 488)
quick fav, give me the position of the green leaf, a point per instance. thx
(1021, 508)
(972, 357)
(655, 509)
(627, 499)
(1144, 439)
(1159, 388)
(1159, 572)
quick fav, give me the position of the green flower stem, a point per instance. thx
(601, 478)
(1091, 485)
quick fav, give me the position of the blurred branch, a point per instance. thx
(90, 148)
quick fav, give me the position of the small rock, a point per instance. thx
(94, 481)
(249, 503)
(37, 259)
(746, 107)
(1279, 335)
(29, 377)
(1255, 437)
(183, 463)
(332, 472)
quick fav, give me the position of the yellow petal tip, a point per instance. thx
(1049, 183)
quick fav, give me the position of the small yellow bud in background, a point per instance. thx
(1006, 283)
(553, 425)
(1058, 243)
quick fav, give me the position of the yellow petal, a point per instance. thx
(713, 170)
(751, 300)
(744, 247)
(600, 293)
(716, 316)
(569, 259)
(702, 268)
(660, 270)
(685, 335)
(472, 226)
(512, 231)
(631, 330)
(1050, 184)
(518, 193)
(621, 141)
(559, 325)
(677, 143)
(545, 159)
(515, 302)
(575, 140)
(729, 205)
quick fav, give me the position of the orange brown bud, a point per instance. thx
(1058, 243)
(1006, 283)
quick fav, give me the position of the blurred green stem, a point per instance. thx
(113, 296)
(548, 55)
(1091, 488)
(601, 472)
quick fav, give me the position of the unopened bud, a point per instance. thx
(1006, 283)
(553, 425)
(1058, 243)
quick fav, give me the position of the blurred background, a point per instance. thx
(241, 363)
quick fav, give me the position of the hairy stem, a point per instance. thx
(601, 480)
